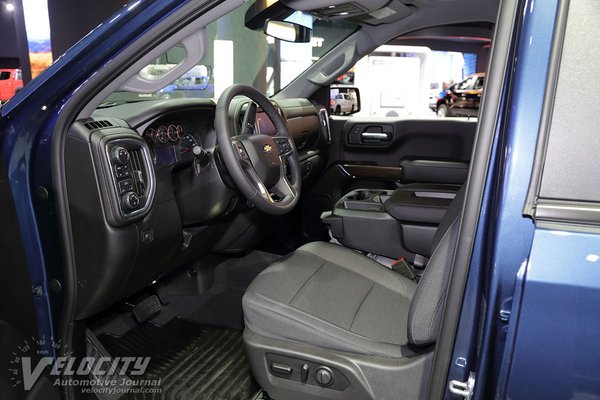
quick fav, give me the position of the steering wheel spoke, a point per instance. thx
(284, 190)
(261, 189)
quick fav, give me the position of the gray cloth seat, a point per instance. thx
(332, 297)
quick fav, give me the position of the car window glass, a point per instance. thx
(464, 85)
(166, 62)
(399, 80)
(4, 75)
(236, 54)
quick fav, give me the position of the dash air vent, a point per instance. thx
(139, 171)
(98, 124)
(132, 181)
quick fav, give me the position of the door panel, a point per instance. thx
(428, 139)
(368, 153)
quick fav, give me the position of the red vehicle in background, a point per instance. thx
(11, 81)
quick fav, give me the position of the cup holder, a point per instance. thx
(361, 195)
(365, 199)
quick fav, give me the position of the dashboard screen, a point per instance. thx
(264, 125)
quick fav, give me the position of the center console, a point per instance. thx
(393, 223)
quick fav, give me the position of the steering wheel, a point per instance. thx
(257, 163)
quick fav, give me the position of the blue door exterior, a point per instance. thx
(529, 321)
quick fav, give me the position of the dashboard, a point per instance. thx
(135, 179)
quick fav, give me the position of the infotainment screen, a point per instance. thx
(264, 126)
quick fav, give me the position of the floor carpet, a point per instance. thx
(192, 361)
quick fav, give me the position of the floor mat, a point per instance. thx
(221, 305)
(193, 362)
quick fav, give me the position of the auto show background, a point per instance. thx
(35, 32)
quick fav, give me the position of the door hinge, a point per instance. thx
(464, 389)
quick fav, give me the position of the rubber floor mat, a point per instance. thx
(192, 362)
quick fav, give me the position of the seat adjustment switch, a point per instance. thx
(281, 369)
(304, 373)
(324, 376)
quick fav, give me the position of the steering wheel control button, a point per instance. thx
(120, 155)
(283, 145)
(324, 376)
(131, 201)
(281, 369)
(242, 151)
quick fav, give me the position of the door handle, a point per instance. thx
(374, 136)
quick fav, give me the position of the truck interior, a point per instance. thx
(245, 240)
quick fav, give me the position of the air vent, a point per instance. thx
(342, 10)
(139, 172)
(98, 125)
(132, 181)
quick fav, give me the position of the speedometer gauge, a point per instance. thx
(180, 132)
(161, 135)
(172, 133)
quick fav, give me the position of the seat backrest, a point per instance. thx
(427, 304)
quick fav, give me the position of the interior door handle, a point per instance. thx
(374, 136)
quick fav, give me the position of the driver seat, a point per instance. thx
(329, 323)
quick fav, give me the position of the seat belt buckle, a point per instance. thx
(404, 268)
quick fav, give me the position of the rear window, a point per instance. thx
(4, 75)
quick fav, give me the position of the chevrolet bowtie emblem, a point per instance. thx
(267, 148)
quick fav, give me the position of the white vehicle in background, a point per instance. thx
(341, 104)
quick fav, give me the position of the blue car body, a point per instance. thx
(539, 322)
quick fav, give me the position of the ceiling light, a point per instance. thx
(10, 7)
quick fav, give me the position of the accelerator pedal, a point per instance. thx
(146, 309)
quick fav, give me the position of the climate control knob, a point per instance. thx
(130, 201)
(120, 155)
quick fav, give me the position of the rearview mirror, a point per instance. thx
(288, 31)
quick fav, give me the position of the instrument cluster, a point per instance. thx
(171, 142)
(165, 134)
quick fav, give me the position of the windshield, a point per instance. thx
(236, 54)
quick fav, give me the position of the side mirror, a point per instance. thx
(288, 31)
(344, 100)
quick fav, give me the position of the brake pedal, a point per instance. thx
(146, 309)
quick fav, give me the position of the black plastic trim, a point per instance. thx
(530, 207)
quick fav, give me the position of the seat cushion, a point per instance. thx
(332, 297)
